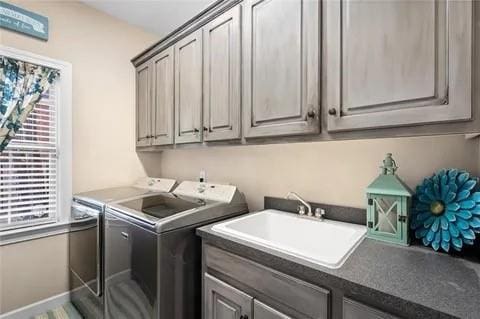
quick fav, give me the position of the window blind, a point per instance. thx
(28, 169)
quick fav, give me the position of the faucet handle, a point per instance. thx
(319, 212)
(301, 209)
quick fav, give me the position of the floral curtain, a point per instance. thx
(21, 87)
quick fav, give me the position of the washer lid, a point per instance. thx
(101, 197)
(153, 208)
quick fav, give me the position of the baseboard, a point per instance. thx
(38, 307)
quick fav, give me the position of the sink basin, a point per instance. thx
(327, 243)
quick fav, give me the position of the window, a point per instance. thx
(28, 168)
(35, 167)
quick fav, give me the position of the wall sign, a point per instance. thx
(23, 21)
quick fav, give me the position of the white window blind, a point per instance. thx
(28, 169)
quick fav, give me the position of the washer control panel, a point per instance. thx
(207, 191)
(156, 184)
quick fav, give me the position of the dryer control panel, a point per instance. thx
(156, 184)
(207, 191)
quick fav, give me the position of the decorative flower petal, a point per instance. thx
(421, 207)
(450, 216)
(453, 207)
(453, 230)
(430, 235)
(430, 194)
(462, 178)
(467, 234)
(467, 241)
(426, 242)
(476, 197)
(475, 222)
(462, 224)
(429, 222)
(435, 225)
(422, 216)
(452, 173)
(421, 232)
(449, 197)
(424, 199)
(463, 195)
(435, 245)
(446, 235)
(467, 204)
(465, 214)
(469, 185)
(445, 246)
(457, 243)
(444, 223)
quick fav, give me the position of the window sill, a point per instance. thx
(14, 236)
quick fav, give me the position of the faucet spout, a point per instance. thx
(301, 200)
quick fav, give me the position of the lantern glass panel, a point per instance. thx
(385, 213)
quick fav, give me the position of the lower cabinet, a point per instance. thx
(223, 301)
(238, 288)
(355, 310)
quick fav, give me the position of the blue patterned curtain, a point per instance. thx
(21, 87)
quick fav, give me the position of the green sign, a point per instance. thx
(23, 21)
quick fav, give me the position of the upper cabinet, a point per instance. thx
(256, 70)
(163, 98)
(143, 102)
(222, 76)
(409, 63)
(281, 67)
(188, 89)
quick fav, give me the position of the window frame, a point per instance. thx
(63, 142)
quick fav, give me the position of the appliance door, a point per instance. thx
(85, 248)
(131, 279)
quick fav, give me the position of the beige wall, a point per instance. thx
(326, 172)
(99, 48)
(33, 270)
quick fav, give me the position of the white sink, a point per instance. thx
(326, 243)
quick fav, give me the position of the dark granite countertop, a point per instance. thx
(421, 282)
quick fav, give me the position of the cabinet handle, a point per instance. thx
(332, 111)
(124, 235)
(243, 317)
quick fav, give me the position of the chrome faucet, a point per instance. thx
(319, 212)
(301, 209)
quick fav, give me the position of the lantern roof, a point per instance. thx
(389, 185)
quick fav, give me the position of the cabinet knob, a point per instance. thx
(196, 130)
(206, 129)
(311, 114)
(332, 111)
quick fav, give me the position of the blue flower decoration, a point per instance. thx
(446, 210)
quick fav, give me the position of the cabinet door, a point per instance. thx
(163, 98)
(356, 310)
(143, 103)
(223, 301)
(188, 89)
(409, 63)
(281, 67)
(262, 311)
(221, 91)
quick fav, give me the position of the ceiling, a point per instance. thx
(157, 16)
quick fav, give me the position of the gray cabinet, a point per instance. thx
(262, 311)
(281, 67)
(222, 74)
(223, 301)
(163, 98)
(355, 310)
(188, 89)
(271, 294)
(143, 105)
(410, 63)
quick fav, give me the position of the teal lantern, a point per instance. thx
(388, 206)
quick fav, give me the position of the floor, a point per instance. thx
(67, 311)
